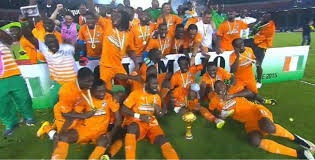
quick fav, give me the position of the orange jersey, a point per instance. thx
(139, 101)
(115, 46)
(140, 36)
(39, 32)
(189, 42)
(163, 44)
(222, 75)
(106, 23)
(171, 20)
(192, 20)
(243, 109)
(31, 51)
(264, 37)
(134, 22)
(100, 123)
(82, 20)
(185, 79)
(92, 38)
(228, 31)
(177, 46)
(244, 70)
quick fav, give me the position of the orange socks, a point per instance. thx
(115, 147)
(130, 146)
(61, 151)
(282, 132)
(168, 151)
(206, 114)
(98, 152)
(274, 147)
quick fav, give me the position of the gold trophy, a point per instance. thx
(189, 118)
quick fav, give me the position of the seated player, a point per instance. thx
(185, 102)
(140, 109)
(186, 75)
(213, 73)
(241, 66)
(95, 128)
(68, 109)
(258, 122)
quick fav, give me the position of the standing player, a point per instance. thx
(206, 30)
(258, 122)
(141, 106)
(90, 37)
(263, 38)
(228, 31)
(116, 45)
(161, 39)
(140, 35)
(192, 42)
(178, 42)
(170, 19)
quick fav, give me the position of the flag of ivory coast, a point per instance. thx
(293, 63)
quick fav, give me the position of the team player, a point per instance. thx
(178, 42)
(46, 26)
(170, 19)
(241, 61)
(190, 102)
(192, 42)
(263, 38)
(91, 39)
(258, 122)
(161, 39)
(140, 34)
(93, 129)
(140, 108)
(228, 31)
(72, 97)
(115, 46)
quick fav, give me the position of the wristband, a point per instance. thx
(136, 115)
(176, 109)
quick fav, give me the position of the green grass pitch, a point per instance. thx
(295, 99)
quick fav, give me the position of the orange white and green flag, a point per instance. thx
(293, 63)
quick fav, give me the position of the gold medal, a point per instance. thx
(144, 42)
(93, 46)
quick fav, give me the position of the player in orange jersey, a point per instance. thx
(185, 102)
(161, 39)
(241, 61)
(170, 19)
(91, 39)
(140, 108)
(141, 34)
(258, 122)
(178, 42)
(213, 73)
(116, 45)
(93, 129)
(228, 31)
(192, 42)
(46, 26)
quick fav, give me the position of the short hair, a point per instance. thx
(68, 13)
(217, 82)
(236, 40)
(183, 58)
(84, 73)
(211, 64)
(192, 27)
(97, 72)
(207, 11)
(164, 4)
(153, 53)
(124, 20)
(89, 13)
(179, 26)
(97, 83)
(150, 78)
(47, 20)
(152, 67)
(49, 36)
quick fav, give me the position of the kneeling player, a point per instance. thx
(258, 121)
(140, 108)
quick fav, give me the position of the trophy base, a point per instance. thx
(189, 137)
